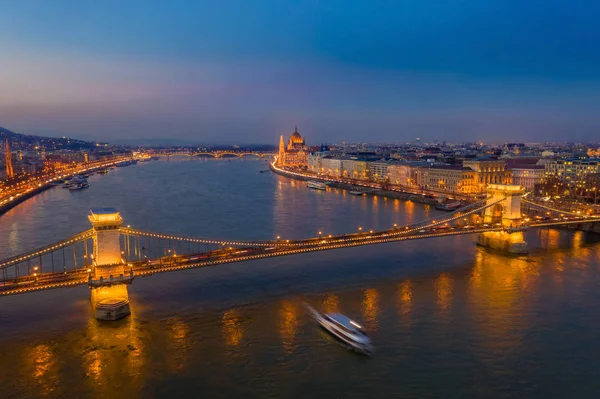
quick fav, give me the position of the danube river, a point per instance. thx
(447, 319)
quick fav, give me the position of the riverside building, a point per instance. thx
(295, 154)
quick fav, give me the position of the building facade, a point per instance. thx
(455, 179)
(527, 176)
(315, 164)
(377, 171)
(331, 167)
(354, 169)
(488, 171)
(295, 154)
(572, 171)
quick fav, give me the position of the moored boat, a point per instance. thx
(449, 207)
(79, 186)
(316, 185)
(126, 163)
(352, 192)
(345, 329)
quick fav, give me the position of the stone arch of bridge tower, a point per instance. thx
(504, 199)
(504, 202)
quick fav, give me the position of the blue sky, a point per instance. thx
(247, 71)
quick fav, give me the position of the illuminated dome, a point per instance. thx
(296, 138)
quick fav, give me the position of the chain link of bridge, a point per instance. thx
(109, 256)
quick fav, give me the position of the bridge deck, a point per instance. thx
(252, 250)
(153, 266)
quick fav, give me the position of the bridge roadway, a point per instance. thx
(215, 154)
(173, 263)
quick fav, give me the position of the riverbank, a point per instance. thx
(48, 182)
(366, 189)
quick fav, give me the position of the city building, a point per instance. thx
(527, 176)
(408, 174)
(452, 179)
(488, 171)
(571, 171)
(295, 154)
(378, 171)
(527, 171)
(331, 167)
(354, 168)
(315, 163)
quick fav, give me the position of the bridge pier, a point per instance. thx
(511, 242)
(108, 277)
(505, 208)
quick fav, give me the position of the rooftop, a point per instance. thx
(104, 217)
(521, 160)
(525, 166)
(455, 166)
(103, 211)
(344, 320)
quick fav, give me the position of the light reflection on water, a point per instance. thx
(370, 307)
(288, 324)
(447, 319)
(233, 328)
(41, 366)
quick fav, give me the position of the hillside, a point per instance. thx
(25, 141)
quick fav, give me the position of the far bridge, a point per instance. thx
(215, 154)
(109, 256)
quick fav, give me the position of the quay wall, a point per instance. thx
(8, 206)
(45, 186)
(371, 191)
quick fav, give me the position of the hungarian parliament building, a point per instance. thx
(295, 154)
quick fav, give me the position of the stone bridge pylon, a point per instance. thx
(505, 208)
(109, 274)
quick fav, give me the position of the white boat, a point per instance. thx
(75, 181)
(316, 185)
(345, 329)
(356, 192)
(79, 186)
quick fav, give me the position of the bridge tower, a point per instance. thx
(108, 277)
(507, 211)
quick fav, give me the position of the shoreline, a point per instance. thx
(49, 184)
(421, 198)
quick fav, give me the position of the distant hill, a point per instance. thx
(26, 140)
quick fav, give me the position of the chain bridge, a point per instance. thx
(109, 256)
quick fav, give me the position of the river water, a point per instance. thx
(447, 319)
